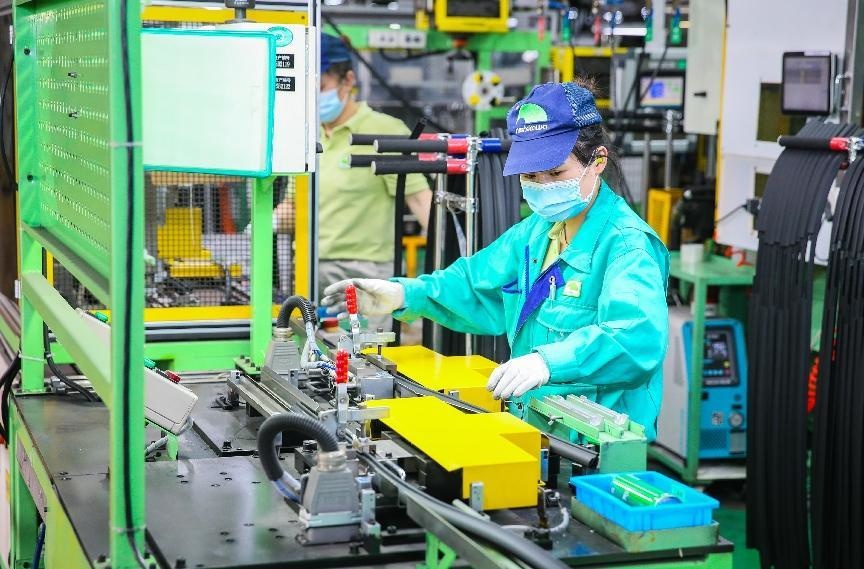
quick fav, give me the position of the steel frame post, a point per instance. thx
(261, 268)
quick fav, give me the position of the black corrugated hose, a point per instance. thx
(283, 320)
(837, 505)
(295, 422)
(778, 346)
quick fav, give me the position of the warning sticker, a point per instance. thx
(284, 83)
(284, 61)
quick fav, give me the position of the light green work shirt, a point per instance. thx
(356, 207)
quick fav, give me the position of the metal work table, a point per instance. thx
(206, 510)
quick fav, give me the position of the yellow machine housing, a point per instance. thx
(593, 62)
(496, 449)
(467, 16)
(463, 377)
(659, 210)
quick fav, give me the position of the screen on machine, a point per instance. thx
(474, 8)
(719, 360)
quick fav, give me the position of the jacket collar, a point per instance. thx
(580, 252)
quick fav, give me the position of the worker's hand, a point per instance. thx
(516, 377)
(248, 229)
(375, 297)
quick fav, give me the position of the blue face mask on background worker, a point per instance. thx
(579, 287)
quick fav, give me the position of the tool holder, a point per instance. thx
(447, 154)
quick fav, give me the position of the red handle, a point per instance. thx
(172, 376)
(351, 298)
(341, 366)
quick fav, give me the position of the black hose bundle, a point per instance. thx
(283, 320)
(779, 349)
(295, 422)
(837, 504)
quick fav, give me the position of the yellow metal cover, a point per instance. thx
(496, 449)
(466, 375)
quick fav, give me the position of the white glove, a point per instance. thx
(375, 297)
(248, 229)
(516, 377)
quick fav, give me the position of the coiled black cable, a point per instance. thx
(283, 320)
(837, 469)
(307, 426)
(779, 346)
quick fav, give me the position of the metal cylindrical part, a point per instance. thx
(330, 461)
(440, 221)
(667, 170)
(281, 334)
(635, 492)
(369, 139)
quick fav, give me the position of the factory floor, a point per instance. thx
(733, 524)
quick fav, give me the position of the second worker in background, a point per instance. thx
(356, 207)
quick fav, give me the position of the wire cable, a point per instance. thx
(3, 97)
(58, 373)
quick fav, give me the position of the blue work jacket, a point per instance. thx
(597, 316)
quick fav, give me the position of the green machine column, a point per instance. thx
(261, 273)
(77, 84)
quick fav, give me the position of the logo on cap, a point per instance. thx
(529, 118)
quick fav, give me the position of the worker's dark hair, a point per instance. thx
(594, 136)
(339, 69)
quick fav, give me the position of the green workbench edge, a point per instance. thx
(715, 270)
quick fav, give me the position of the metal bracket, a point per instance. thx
(28, 475)
(456, 202)
(476, 500)
(368, 525)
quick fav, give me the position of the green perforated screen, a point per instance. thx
(70, 151)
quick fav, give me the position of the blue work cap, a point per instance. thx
(545, 125)
(333, 50)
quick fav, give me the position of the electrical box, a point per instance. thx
(723, 408)
(294, 105)
(661, 202)
(704, 66)
(385, 38)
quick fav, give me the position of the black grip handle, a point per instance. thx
(809, 143)
(365, 160)
(369, 139)
(410, 145)
(383, 167)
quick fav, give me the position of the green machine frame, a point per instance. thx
(77, 89)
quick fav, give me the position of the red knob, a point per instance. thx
(172, 376)
(341, 366)
(351, 298)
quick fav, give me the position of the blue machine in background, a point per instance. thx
(723, 409)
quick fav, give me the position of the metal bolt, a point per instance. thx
(72, 74)
(391, 529)
(29, 177)
(226, 445)
(26, 51)
(180, 563)
(354, 548)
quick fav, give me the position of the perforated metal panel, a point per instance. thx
(72, 153)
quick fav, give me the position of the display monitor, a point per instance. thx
(662, 91)
(807, 81)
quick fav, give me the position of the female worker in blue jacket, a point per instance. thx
(579, 286)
